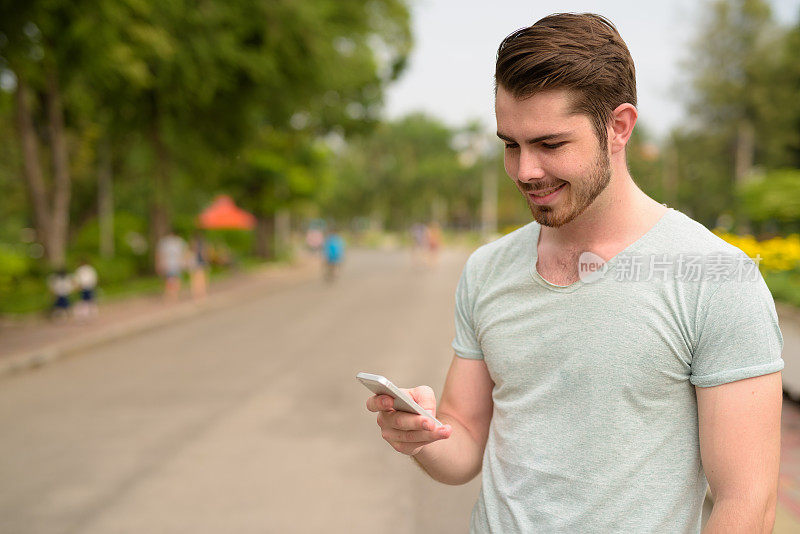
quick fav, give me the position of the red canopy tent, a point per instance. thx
(224, 214)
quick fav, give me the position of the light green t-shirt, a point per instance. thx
(594, 426)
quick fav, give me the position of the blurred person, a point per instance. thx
(598, 403)
(170, 263)
(85, 279)
(433, 238)
(314, 239)
(61, 286)
(198, 267)
(333, 252)
(419, 243)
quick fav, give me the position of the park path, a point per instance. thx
(242, 419)
(245, 416)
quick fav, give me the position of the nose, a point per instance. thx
(530, 168)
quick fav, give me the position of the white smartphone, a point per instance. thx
(383, 386)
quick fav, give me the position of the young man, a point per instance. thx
(599, 399)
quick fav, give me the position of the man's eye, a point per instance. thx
(552, 146)
(511, 145)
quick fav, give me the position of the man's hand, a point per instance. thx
(408, 433)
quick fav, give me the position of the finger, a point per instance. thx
(398, 420)
(410, 421)
(425, 397)
(405, 441)
(380, 403)
(410, 436)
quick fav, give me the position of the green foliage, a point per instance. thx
(703, 169)
(280, 169)
(236, 243)
(119, 270)
(743, 82)
(127, 226)
(404, 172)
(784, 286)
(28, 295)
(728, 61)
(645, 163)
(14, 264)
(193, 99)
(774, 196)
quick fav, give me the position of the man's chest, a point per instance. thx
(559, 270)
(573, 342)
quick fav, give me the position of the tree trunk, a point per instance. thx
(745, 146)
(265, 236)
(105, 199)
(489, 203)
(31, 167)
(159, 195)
(61, 180)
(283, 231)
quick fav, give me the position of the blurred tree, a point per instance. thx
(277, 75)
(280, 169)
(172, 92)
(784, 109)
(745, 115)
(330, 63)
(406, 171)
(774, 196)
(13, 204)
(645, 163)
(31, 54)
(729, 70)
(700, 169)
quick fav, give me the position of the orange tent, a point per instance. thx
(224, 214)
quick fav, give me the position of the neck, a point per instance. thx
(620, 212)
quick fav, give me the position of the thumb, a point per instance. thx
(425, 397)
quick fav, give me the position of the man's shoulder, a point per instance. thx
(684, 235)
(511, 246)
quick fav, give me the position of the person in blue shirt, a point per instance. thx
(333, 251)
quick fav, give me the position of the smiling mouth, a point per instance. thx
(545, 192)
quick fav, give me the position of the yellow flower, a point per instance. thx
(777, 253)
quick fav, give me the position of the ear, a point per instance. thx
(621, 127)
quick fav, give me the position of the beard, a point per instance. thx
(580, 196)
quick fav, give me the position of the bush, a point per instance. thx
(775, 196)
(115, 271)
(130, 246)
(14, 264)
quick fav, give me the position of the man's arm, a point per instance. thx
(467, 407)
(452, 454)
(740, 428)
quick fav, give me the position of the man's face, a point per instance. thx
(550, 149)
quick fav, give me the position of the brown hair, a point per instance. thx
(581, 52)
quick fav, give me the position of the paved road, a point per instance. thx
(246, 419)
(243, 420)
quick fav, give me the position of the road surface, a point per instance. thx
(247, 419)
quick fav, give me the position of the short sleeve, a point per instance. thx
(738, 336)
(465, 343)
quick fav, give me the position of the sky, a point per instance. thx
(450, 75)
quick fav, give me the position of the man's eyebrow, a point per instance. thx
(534, 140)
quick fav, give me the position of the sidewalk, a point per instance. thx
(787, 517)
(29, 343)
